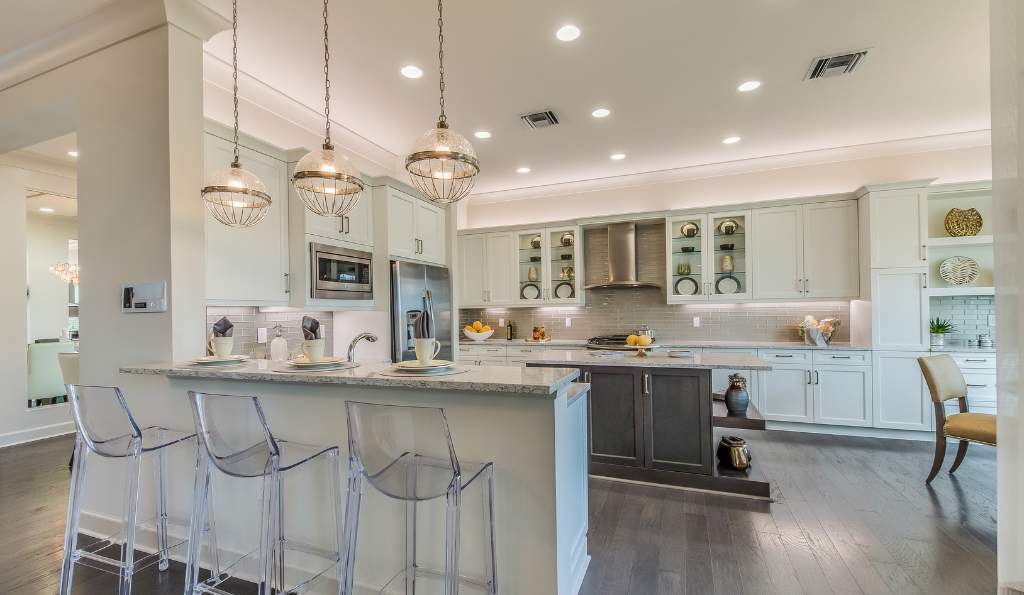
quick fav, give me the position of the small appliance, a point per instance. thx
(338, 273)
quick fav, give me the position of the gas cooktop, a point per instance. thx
(608, 342)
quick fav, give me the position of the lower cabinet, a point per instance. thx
(616, 415)
(842, 395)
(900, 397)
(786, 393)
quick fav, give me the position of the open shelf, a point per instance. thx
(969, 290)
(961, 241)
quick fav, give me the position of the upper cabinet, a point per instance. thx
(898, 227)
(707, 257)
(485, 269)
(685, 259)
(416, 228)
(248, 266)
(355, 228)
(779, 244)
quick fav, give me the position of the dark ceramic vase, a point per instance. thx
(736, 397)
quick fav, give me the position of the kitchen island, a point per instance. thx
(530, 422)
(652, 419)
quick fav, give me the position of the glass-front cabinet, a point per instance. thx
(548, 261)
(706, 257)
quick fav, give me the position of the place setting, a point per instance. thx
(220, 346)
(426, 347)
(313, 358)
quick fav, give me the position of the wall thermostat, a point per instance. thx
(140, 298)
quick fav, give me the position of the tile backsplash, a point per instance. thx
(248, 318)
(969, 314)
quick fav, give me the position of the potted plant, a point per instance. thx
(939, 328)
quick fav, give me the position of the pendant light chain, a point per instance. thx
(442, 120)
(327, 83)
(234, 73)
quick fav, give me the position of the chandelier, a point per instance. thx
(234, 196)
(442, 164)
(326, 182)
(65, 271)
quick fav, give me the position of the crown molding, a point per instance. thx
(958, 140)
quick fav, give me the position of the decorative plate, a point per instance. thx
(536, 242)
(959, 270)
(686, 286)
(727, 284)
(728, 227)
(303, 362)
(689, 229)
(414, 366)
(530, 291)
(565, 290)
(567, 239)
(963, 222)
(213, 360)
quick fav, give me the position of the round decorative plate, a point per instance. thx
(530, 291)
(415, 366)
(565, 290)
(959, 270)
(689, 229)
(303, 362)
(213, 360)
(686, 286)
(728, 227)
(727, 284)
(963, 222)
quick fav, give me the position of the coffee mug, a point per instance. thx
(313, 349)
(427, 350)
(222, 346)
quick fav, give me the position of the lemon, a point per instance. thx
(468, 329)
(478, 326)
(643, 340)
(632, 340)
(485, 329)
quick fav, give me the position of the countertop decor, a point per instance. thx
(963, 222)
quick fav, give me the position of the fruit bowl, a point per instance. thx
(483, 336)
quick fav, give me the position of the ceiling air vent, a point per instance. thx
(826, 66)
(544, 119)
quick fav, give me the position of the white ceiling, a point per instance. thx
(56, 149)
(667, 70)
(25, 22)
(62, 205)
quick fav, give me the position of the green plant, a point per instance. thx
(938, 326)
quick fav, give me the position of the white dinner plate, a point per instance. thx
(213, 360)
(302, 362)
(414, 366)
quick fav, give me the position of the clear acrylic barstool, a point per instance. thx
(407, 453)
(107, 428)
(234, 438)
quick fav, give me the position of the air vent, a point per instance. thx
(544, 119)
(826, 66)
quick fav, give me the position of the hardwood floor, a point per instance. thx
(851, 515)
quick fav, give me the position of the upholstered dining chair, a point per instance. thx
(945, 382)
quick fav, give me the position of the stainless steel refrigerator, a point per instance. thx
(409, 282)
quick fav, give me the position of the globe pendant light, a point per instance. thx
(326, 182)
(442, 164)
(235, 196)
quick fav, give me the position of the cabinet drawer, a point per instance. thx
(482, 361)
(794, 356)
(986, 361)
(482, 350)
(517, 350)
(980, 387)
(843, 358)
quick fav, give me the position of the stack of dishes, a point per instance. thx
(327, 363)
(212, 361)
(415, 368)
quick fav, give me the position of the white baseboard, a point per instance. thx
(34, 434)
(786, 426)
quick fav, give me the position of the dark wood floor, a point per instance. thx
(851, 515)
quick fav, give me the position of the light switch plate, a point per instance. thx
(696, 322)
(261, 335)
(991, 319)
(568, 322)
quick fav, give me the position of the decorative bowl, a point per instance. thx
(478, 336)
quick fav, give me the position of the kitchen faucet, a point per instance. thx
(372, 338)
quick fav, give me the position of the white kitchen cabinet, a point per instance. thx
(900, 398)
(430, 232)
(831, 259)
(785, 390)
(777, 235)
(685, 259)
(842, 394)
(899, 315)
(248, 265)
(416, 229)
(898, 227)
(485, 269)
(728, 260)
(355, 228)
(545, 266)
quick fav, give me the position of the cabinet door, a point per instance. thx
(842, 395)
(786, 394)
(430, 232)
(831, 250)
(563, 262)
(616, 415)
(677, 420)
(331, 228)
(900, 398)
(899, 228)
(248, 265)
(500, 259)
(777, 239)
(899, 309)
(530, 287)
(472, 269)
(727, 257)
(684, 247)
(402, 224)
(358, 228)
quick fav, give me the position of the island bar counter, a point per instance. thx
(530, 422)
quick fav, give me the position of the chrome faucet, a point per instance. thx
(372, 338)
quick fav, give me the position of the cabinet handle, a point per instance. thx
(969, 385)
(976, 361)
(840, 357)
(924, 276)
(807, 286)
(924, 252)
(780, 355)
(816, 378)
(288, 288)
(808, 376)
(586, 376)
(647, 383)
(348, 224)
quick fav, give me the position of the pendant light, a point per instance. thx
(443, 165)
(327, 183)
(235, 196)
(66, 272)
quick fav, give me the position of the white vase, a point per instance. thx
(938, 340)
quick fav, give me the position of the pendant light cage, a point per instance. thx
(66, 272)
(442, 164)
(328, 184)
(235, 196)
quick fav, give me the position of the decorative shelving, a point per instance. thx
(985, 240)
(963, 290)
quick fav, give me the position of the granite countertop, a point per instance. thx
(699, 361)
(961, 348)
(671, 343)
(496, 379)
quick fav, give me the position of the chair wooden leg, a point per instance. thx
(961, 452)
(940, 454)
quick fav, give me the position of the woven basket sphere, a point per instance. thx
(963, 222)
(328, 184)
(236, 197)
(443, 165)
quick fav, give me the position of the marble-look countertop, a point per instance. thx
(699, 361)
(671, 343)
(961, 348)
(494, 379)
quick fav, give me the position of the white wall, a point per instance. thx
(47, 244)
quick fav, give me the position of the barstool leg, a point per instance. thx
(490, 556)
(451, 538)
(339, 525)
(161, 527)
(131, 511)
(74, 507)
(353, 501)
(280, 535)
(267, 534)
(197, 521)
(211, 530)
(410, 529)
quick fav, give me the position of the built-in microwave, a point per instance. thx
(338, 273)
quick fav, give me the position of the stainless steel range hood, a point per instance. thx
(622, 264)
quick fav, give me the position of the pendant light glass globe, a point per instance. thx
(236, 197)
(443, 165)
(327, 183)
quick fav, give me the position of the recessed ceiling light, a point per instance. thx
(73, 153)
(601, 112)
(45, 210)
(731, 140)
(523, 170)
(482, 134)
(411, 72)
(568, 33)
(618, 156)
(748, 86)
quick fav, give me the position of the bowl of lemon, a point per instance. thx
(477, 331)
(642, 344)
